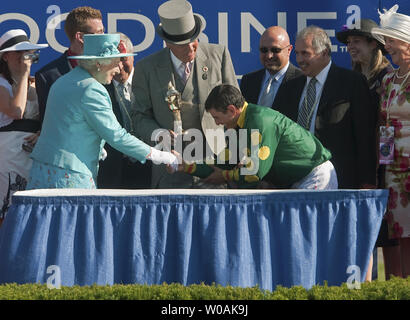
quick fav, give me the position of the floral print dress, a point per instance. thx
(395, 111)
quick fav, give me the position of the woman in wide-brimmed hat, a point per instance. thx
(366, 51)
(79, 119)
(18, 112)
(367, 54)
(394, 30)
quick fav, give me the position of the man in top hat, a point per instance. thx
(261, 86)
(335, 104)
(193, 68)
(80, 21)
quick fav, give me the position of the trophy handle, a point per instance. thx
(173, 98)
(177, 122)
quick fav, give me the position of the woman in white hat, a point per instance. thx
(18, 112)
(79, 119)
(395, 136)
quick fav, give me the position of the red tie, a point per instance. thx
(73, 62)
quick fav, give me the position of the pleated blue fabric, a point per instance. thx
(282, 238)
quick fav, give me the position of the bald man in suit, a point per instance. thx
(261, 87)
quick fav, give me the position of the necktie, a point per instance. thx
(267, 94)
(125, 104)
(306, 112)
(187, 71)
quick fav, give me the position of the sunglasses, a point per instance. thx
(265, 50)
(87, 32)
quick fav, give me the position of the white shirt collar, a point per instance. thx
(175, 61)
(322, 75)
(129, 80)
(278, 74)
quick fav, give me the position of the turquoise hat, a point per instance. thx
(100, 46)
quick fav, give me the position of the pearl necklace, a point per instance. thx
(403, 76)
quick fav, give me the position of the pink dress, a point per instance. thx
(395, 109)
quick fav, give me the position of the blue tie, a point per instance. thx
(267, 94)
(306, 112)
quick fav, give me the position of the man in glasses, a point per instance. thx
(80, 21)
(261, 86)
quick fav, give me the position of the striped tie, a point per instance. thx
(306, 112)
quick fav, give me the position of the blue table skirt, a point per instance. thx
(244, 239)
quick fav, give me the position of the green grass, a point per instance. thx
(380, 265)
(394, 289)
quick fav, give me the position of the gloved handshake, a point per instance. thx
(164, 157)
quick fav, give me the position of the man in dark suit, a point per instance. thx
(261, 86)
(80, 21)
(334, 103)
(119, 171)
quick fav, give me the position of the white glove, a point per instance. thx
(163, 157)
(103, 154)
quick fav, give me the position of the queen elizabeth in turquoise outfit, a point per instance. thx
(79, 120)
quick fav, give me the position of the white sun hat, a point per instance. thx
(393, 24)
(17, 40)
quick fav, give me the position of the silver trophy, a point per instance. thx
(173, 99)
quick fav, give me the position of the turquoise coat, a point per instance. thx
(77, 123)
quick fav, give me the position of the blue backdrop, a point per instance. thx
(235, 23)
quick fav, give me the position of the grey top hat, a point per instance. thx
(178, 24)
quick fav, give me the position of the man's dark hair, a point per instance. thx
(222, 96)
